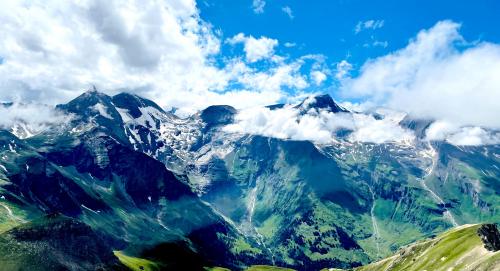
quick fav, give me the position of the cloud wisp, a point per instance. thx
(368, 25)
(258, 6)
(288, 11)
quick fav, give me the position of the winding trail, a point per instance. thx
(434, 156)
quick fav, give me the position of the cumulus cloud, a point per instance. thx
(320, 127)
(258, 6)
(51, 51)
(288, 11)
(369, 24)
(436, 76)
(255, 49)
(53, 48)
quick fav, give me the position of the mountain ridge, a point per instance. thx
(123, 164)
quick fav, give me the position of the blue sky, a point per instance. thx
(327, 27)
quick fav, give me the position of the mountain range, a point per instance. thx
(122, 182)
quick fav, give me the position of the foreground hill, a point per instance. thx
(457, 249)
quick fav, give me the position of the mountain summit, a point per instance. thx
(320, 102)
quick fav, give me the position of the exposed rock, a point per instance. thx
(218, 115)
(490, 236)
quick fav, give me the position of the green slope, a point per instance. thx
(457, 249)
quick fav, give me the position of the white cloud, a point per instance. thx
(31, 118)
(367, 25)
(288, 11)
(290, 44)
(435, 77)
(255, 49)
(258, 6)
(320, 127)
(376, 43)
(369, 129)
(343, 69)
(456, 135)
(318, 77)
(51, 51)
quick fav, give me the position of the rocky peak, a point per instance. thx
(90, 104)
(133, 103)
(320, 102)
(419, 126)
(218, 115)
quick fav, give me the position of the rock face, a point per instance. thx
(490, 236)
(218, 115)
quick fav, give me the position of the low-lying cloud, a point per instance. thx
(320, 127)
(29, 119)
(465, 136)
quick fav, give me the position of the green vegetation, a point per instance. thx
(240, 245)
(136, 264)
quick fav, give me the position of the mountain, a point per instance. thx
(170, 192)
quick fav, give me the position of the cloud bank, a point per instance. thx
(320, 127)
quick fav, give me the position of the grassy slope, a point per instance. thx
(456, 249)
(136, 264)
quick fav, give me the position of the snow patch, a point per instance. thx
(102, 110)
